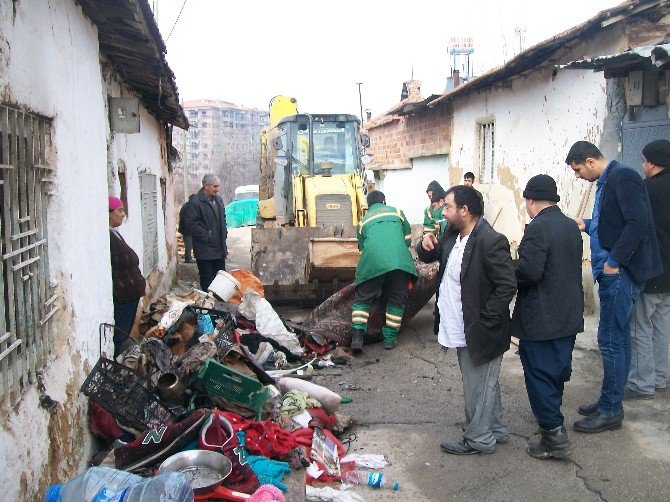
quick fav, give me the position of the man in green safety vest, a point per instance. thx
(433, 221)
(386, 265)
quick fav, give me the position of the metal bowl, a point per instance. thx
(205, 469)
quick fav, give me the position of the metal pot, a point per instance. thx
(206, 470)
(170, 389)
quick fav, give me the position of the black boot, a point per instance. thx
(553, 444)
(357, 339)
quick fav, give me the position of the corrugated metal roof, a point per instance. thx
(129, 37)
(637, 58)
(539, 53)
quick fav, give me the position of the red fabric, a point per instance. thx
(321, 418)
(315, 347)
(102, 424)
(264, 438)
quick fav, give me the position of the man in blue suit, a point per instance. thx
(624, 255)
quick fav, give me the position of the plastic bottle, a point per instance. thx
(372, 478)
(103, 484)
(173, 486)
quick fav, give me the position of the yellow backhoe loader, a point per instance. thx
(311, 197)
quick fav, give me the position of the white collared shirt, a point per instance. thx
(452, 328)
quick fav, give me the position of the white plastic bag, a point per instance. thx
(268, 322)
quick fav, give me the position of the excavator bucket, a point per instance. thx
(303, 266)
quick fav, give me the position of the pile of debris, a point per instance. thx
(211, 376)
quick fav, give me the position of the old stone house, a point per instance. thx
(86, 106)
(520, 119)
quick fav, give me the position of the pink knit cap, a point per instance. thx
(114, 203)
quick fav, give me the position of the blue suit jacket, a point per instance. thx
(626, 225)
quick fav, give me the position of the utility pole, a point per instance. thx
(360, 100)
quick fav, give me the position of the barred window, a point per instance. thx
(27, 302)
(486, 151)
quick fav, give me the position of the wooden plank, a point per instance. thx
(24, 249)
(6, 166)
(9, 371)
(24, 264)
(17, 309)
(27, 334)
(24, 234)
(9, 349)
(332, 258)
(33, 284)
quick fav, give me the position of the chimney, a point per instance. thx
(457, 80)
(368, 114)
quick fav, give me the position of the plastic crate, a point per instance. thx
(220, 380)
(127, 394)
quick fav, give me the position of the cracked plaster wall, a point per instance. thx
(51, 66)
(537, 116)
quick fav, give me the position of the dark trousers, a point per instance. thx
(547, 365)
(393, 285)
(207, 269)
(124, 320)
(188, 248)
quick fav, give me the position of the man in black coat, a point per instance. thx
(477, 285)
(650, 328)
(549, 310)
(205, 219)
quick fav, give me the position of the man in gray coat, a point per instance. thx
(205, 219)
(650, 327)
(549, 310)
(476, 287)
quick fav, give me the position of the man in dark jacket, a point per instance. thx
(205, 219)
(477, 285)
(549, 310)
(624, 255)
(650, 328)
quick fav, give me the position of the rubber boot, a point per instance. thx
(357, 339)
(553, 444)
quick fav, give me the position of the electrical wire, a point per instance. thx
(175, 21)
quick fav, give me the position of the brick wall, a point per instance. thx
(395, 140)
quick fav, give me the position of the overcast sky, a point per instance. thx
(247, 52)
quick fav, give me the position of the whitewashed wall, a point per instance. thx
(537, 118)
(143, 153)
(406, 188)
(50, 64)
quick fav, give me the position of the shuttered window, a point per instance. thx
(27, 302)
(486, 151)
(149, 192)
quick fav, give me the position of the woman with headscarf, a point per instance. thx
(127, 279)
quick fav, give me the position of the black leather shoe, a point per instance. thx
(599, 423)
(588, 409)
(553, 444)
(463, 448)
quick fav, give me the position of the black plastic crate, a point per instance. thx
(127, 394)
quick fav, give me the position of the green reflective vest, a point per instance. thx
(384, 237)
(433, 221)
